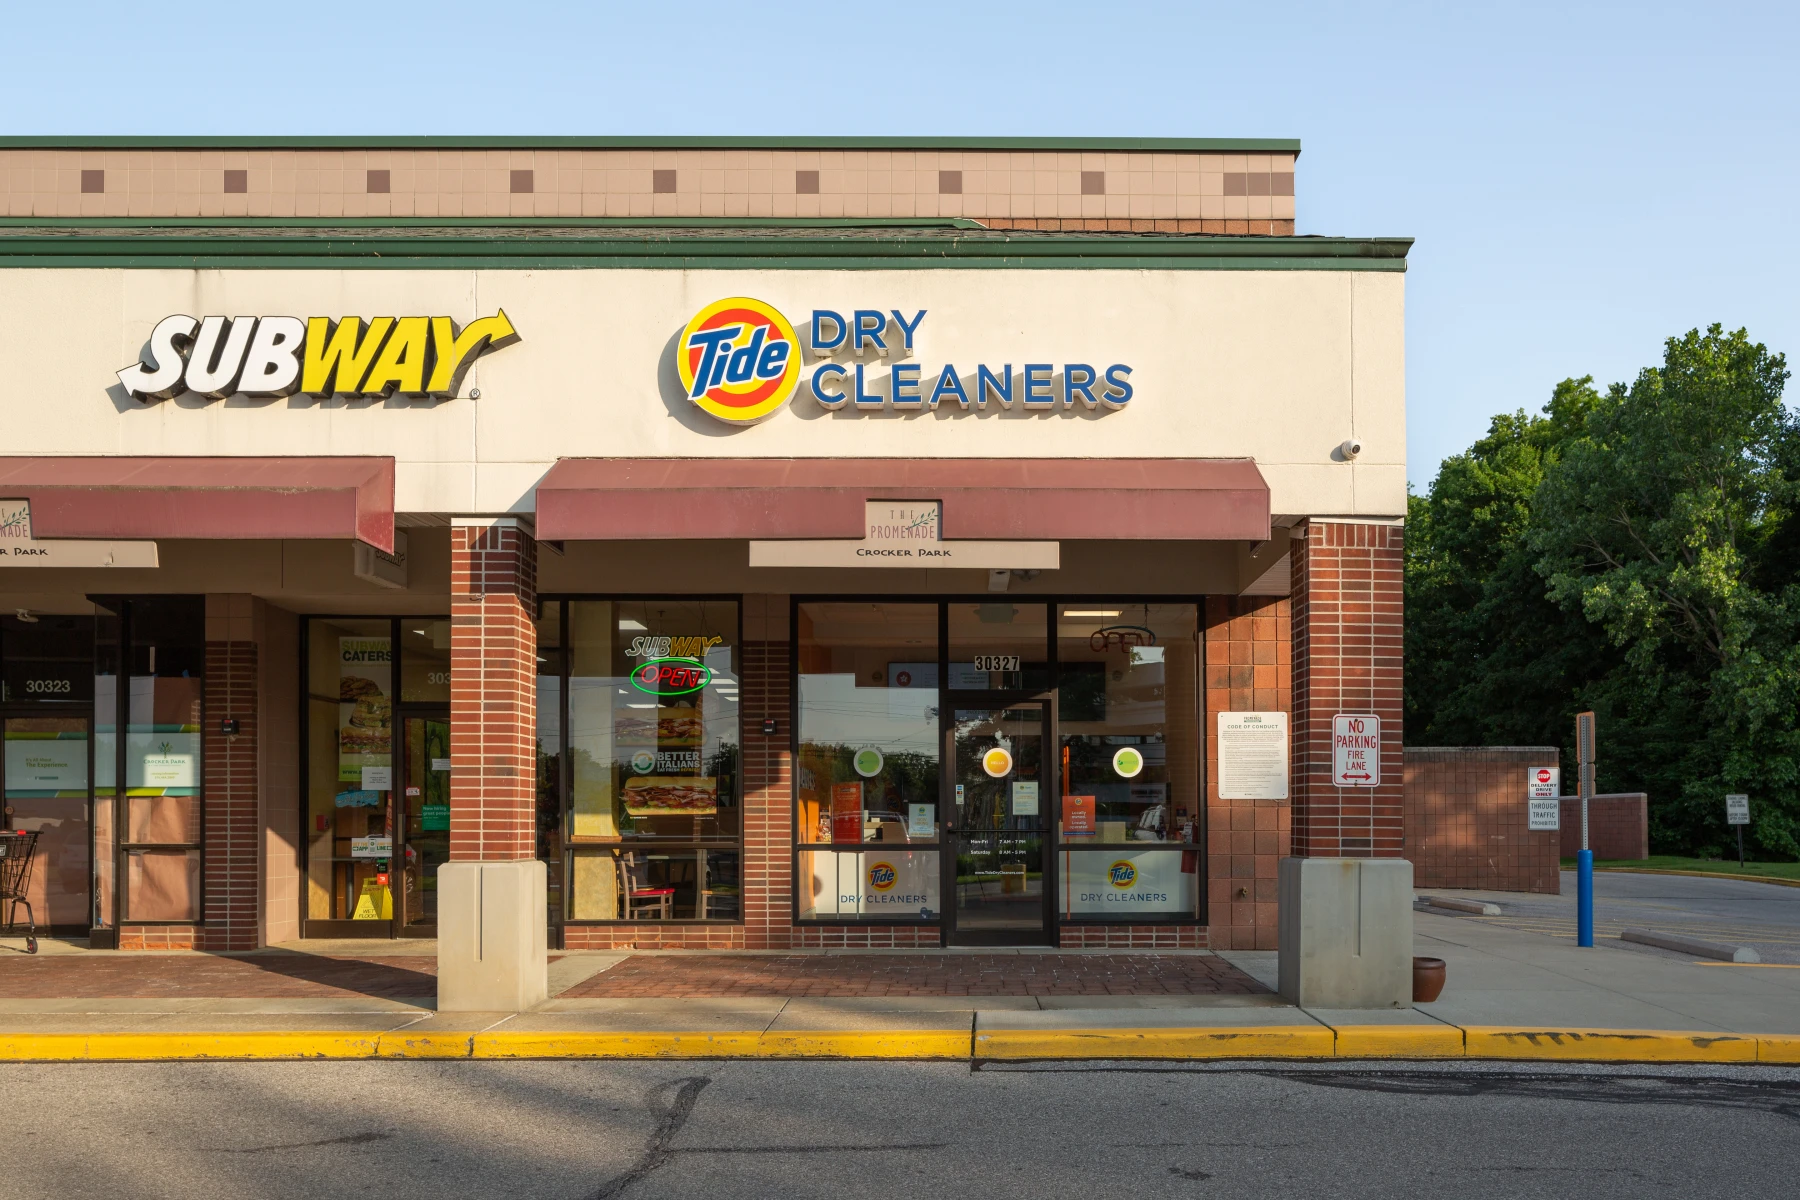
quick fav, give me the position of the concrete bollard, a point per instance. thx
(1346, 932)
(492, 951)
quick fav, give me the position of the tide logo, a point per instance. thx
(1122, 874)
(882, 876)
(739, 360)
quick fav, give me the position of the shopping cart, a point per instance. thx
(16, 849)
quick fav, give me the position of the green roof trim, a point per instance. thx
(571, 246)
(647, 142)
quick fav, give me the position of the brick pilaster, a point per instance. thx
(493, 691)
(1348, 611)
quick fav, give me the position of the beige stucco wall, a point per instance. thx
(1279, 366)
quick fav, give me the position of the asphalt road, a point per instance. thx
(1763, 916)
(700, 1130)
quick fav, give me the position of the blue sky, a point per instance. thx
(1583, 180)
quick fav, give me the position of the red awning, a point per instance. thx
(206, 497)
(1186, 499)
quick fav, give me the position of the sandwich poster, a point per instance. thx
(365, 711)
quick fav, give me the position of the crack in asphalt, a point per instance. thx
(669, 1121)
(349, 1139)
(1779, 1098)
(672, 1114)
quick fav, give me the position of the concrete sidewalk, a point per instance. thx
(1511, 994)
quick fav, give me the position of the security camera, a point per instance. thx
(1350, 448)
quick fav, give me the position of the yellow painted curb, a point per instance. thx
(723, 1044)
(65, 1047)
(1260, 1041)
(863, 1043)
(42, 1047)
(1778, 1048)
(1608, 1045)
(401, 1044)
(1399, 1041)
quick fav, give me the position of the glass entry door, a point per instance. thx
(46, 770)
(1001, 795)
(425, 753)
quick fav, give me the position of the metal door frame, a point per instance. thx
(1049, 813)
(417, 711)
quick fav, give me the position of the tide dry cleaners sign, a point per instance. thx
(218, 357)
(740, 361)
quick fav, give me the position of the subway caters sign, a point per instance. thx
(218, 357)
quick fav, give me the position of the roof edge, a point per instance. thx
(639, 142)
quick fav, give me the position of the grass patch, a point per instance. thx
(1721, 866)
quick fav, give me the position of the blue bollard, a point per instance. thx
(1584, 898)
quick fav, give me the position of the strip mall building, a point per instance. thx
(784, 542)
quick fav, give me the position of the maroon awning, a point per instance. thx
(1187, 499)
(174, 497)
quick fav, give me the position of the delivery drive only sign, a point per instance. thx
(1356, 751)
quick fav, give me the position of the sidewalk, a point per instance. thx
(1511, 994)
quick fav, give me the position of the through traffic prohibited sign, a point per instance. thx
(1356, 751)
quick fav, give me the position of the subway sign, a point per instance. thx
(378, 357)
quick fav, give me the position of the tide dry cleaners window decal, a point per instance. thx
(740, 361)
(219, 357)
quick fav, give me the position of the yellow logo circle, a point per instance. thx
(997, 762)
(739, 360)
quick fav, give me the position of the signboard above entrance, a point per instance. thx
(19, 549)
(218, 357)
(905, 533)
(740, 362)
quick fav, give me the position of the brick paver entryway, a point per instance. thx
(682, 975)
(125, 975)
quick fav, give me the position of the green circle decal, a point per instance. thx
(867, 762)
(643, 762)
(1128, 761)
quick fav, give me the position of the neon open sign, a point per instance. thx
(670, 676)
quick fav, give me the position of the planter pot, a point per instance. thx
(1428, 979)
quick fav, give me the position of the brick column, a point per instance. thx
(493, 691)
(1348, 653)
(492, 912)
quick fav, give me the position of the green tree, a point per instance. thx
(1490, 659)
(1667, 524)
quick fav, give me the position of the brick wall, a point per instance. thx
(1618, 826)
(1249, 668)
(493, 692)
(1348, 654)
(1466, 819)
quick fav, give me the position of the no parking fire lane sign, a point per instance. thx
(1356, 751)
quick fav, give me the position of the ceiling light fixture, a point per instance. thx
(1092, 612)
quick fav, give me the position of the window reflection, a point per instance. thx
(869, 753)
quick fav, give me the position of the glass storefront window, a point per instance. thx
(868, 768)
(1128, 689)
(350, 769)
(869, 745)
(999, 645)
(653, 742)
(550, 756)
(424, 661)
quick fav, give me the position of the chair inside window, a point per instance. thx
(641, 901)
(716, 899)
